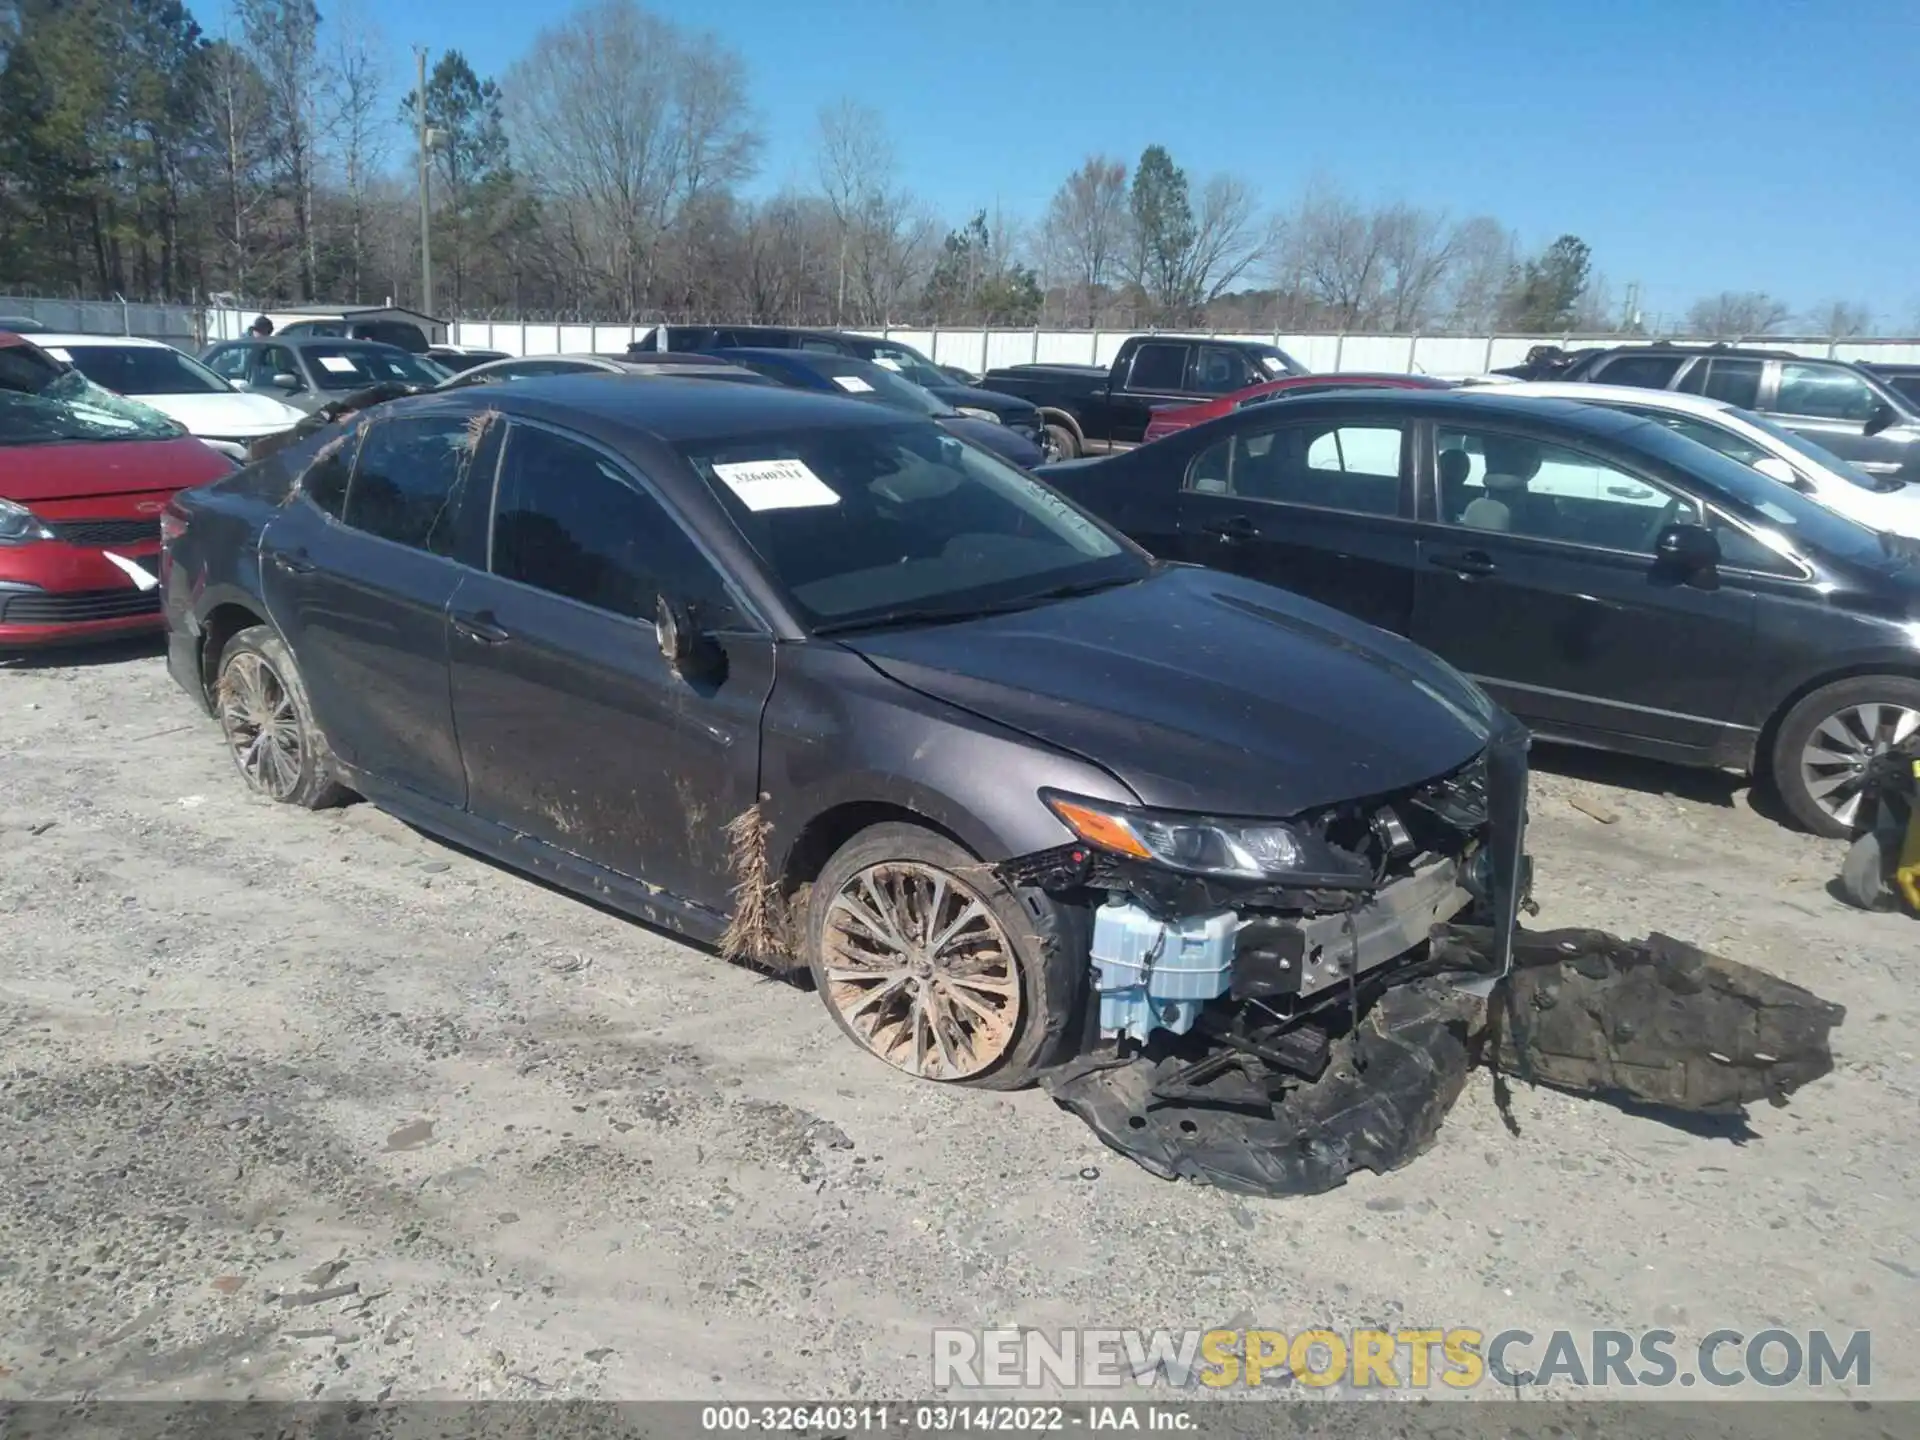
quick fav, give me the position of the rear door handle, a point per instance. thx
(480, 627)
(294, 562)
(1238, 528)
(1465, 562)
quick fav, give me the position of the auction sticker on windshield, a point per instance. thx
(338, 364)
(776, 484)
(852, 383)
(885, 363)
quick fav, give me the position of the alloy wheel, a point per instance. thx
(920, 970)
(261, 726)
(1834, 760)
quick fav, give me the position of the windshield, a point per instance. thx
(877, 382)
(1819, 455)
(355, 367)
(74, 409)
(1798, 518)
(910, 364)
(866, 524)
(144, 370)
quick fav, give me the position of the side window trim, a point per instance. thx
(750, 613)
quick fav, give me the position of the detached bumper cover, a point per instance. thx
(1656, 1021)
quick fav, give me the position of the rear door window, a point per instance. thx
(1323, 465)
(1647, 372)
(1735, 381)
(407, 480)
(1158, 367)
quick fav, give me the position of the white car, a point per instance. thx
(1878, 501)
(176, 385)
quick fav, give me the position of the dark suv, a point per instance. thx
(1017, 414)
(1850, 410)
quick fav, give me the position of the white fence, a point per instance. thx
(981, 350)
(972, 350)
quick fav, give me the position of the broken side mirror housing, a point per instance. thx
(1687, 549)
(673, 630)
(1883, 416)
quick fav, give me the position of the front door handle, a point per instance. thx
(1237, 528)
(294, 562)
(480, 627)
(1465, 562)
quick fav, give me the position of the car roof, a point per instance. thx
(316, 342)
(1679, 401)
(73, 341)
(1460, 405)
(676, 409)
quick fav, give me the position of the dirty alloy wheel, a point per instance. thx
(268, 724)
(930, 963)
(1821, 750)
(1057, 443)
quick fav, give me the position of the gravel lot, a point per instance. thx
(254, 1056)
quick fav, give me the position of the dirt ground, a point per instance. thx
(254, 1056)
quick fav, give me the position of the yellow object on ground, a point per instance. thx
(1906, 873)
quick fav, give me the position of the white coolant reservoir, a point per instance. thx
(1155, 975)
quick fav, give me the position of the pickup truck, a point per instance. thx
(1093, 410)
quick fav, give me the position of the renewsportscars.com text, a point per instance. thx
(1458, 1358)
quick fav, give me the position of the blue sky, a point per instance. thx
(1697, 145)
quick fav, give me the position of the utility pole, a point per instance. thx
(426, 235)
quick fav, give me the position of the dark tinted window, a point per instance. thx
(1907, 385)
(568, 521)
(407, 479)
(325, 482)
(1649, 372)
(1217, 371)
(1735, 381)
(1824, 392)
(1158, 367)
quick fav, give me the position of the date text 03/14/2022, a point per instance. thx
(940, 1418)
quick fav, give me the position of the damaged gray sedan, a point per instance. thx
(839, 693)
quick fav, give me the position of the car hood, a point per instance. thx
(1010, 445)
(232, 415)
(1007, 407)
(79, 471)
(1206, 692)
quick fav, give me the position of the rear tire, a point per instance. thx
(928, 962)
(1058, 443)
(1823, 743)
(264, 715)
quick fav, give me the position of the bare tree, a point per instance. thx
(1481, 271)
(1839, 319)
(1330, 249)
(1416, 249)
(885, 236)
(237, 102)
(625, 120)
(1735, 313)
(353, 121)
(1226, 242)
(1084, 234)
(283, 39)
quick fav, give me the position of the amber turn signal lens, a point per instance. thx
(1095, 828)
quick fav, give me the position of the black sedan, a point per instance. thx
(876, 384)
(818, 682)
(1609, 581)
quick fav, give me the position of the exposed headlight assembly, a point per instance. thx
(20, 526)
(972, 414)
(1197, 845)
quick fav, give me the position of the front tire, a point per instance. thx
(268, 725)
(926, 960)
(1057, 443)
(1823, 744)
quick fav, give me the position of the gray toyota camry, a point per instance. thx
(825, 687)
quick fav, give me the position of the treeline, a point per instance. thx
(606, 175)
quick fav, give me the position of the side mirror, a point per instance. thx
(673, 629)
(286, 380)
(1883, 416)
(1688, 549)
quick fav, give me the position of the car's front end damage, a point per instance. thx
(1273, 1032)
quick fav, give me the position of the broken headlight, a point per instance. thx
(1197, 845)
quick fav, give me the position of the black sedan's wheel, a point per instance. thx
(268, 724)
(1821, 750)
(929, 962)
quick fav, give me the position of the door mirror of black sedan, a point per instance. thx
(1883, 416)
(1686, 549)
(673, 628)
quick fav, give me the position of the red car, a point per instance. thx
(84, 475)
(1165, 422)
